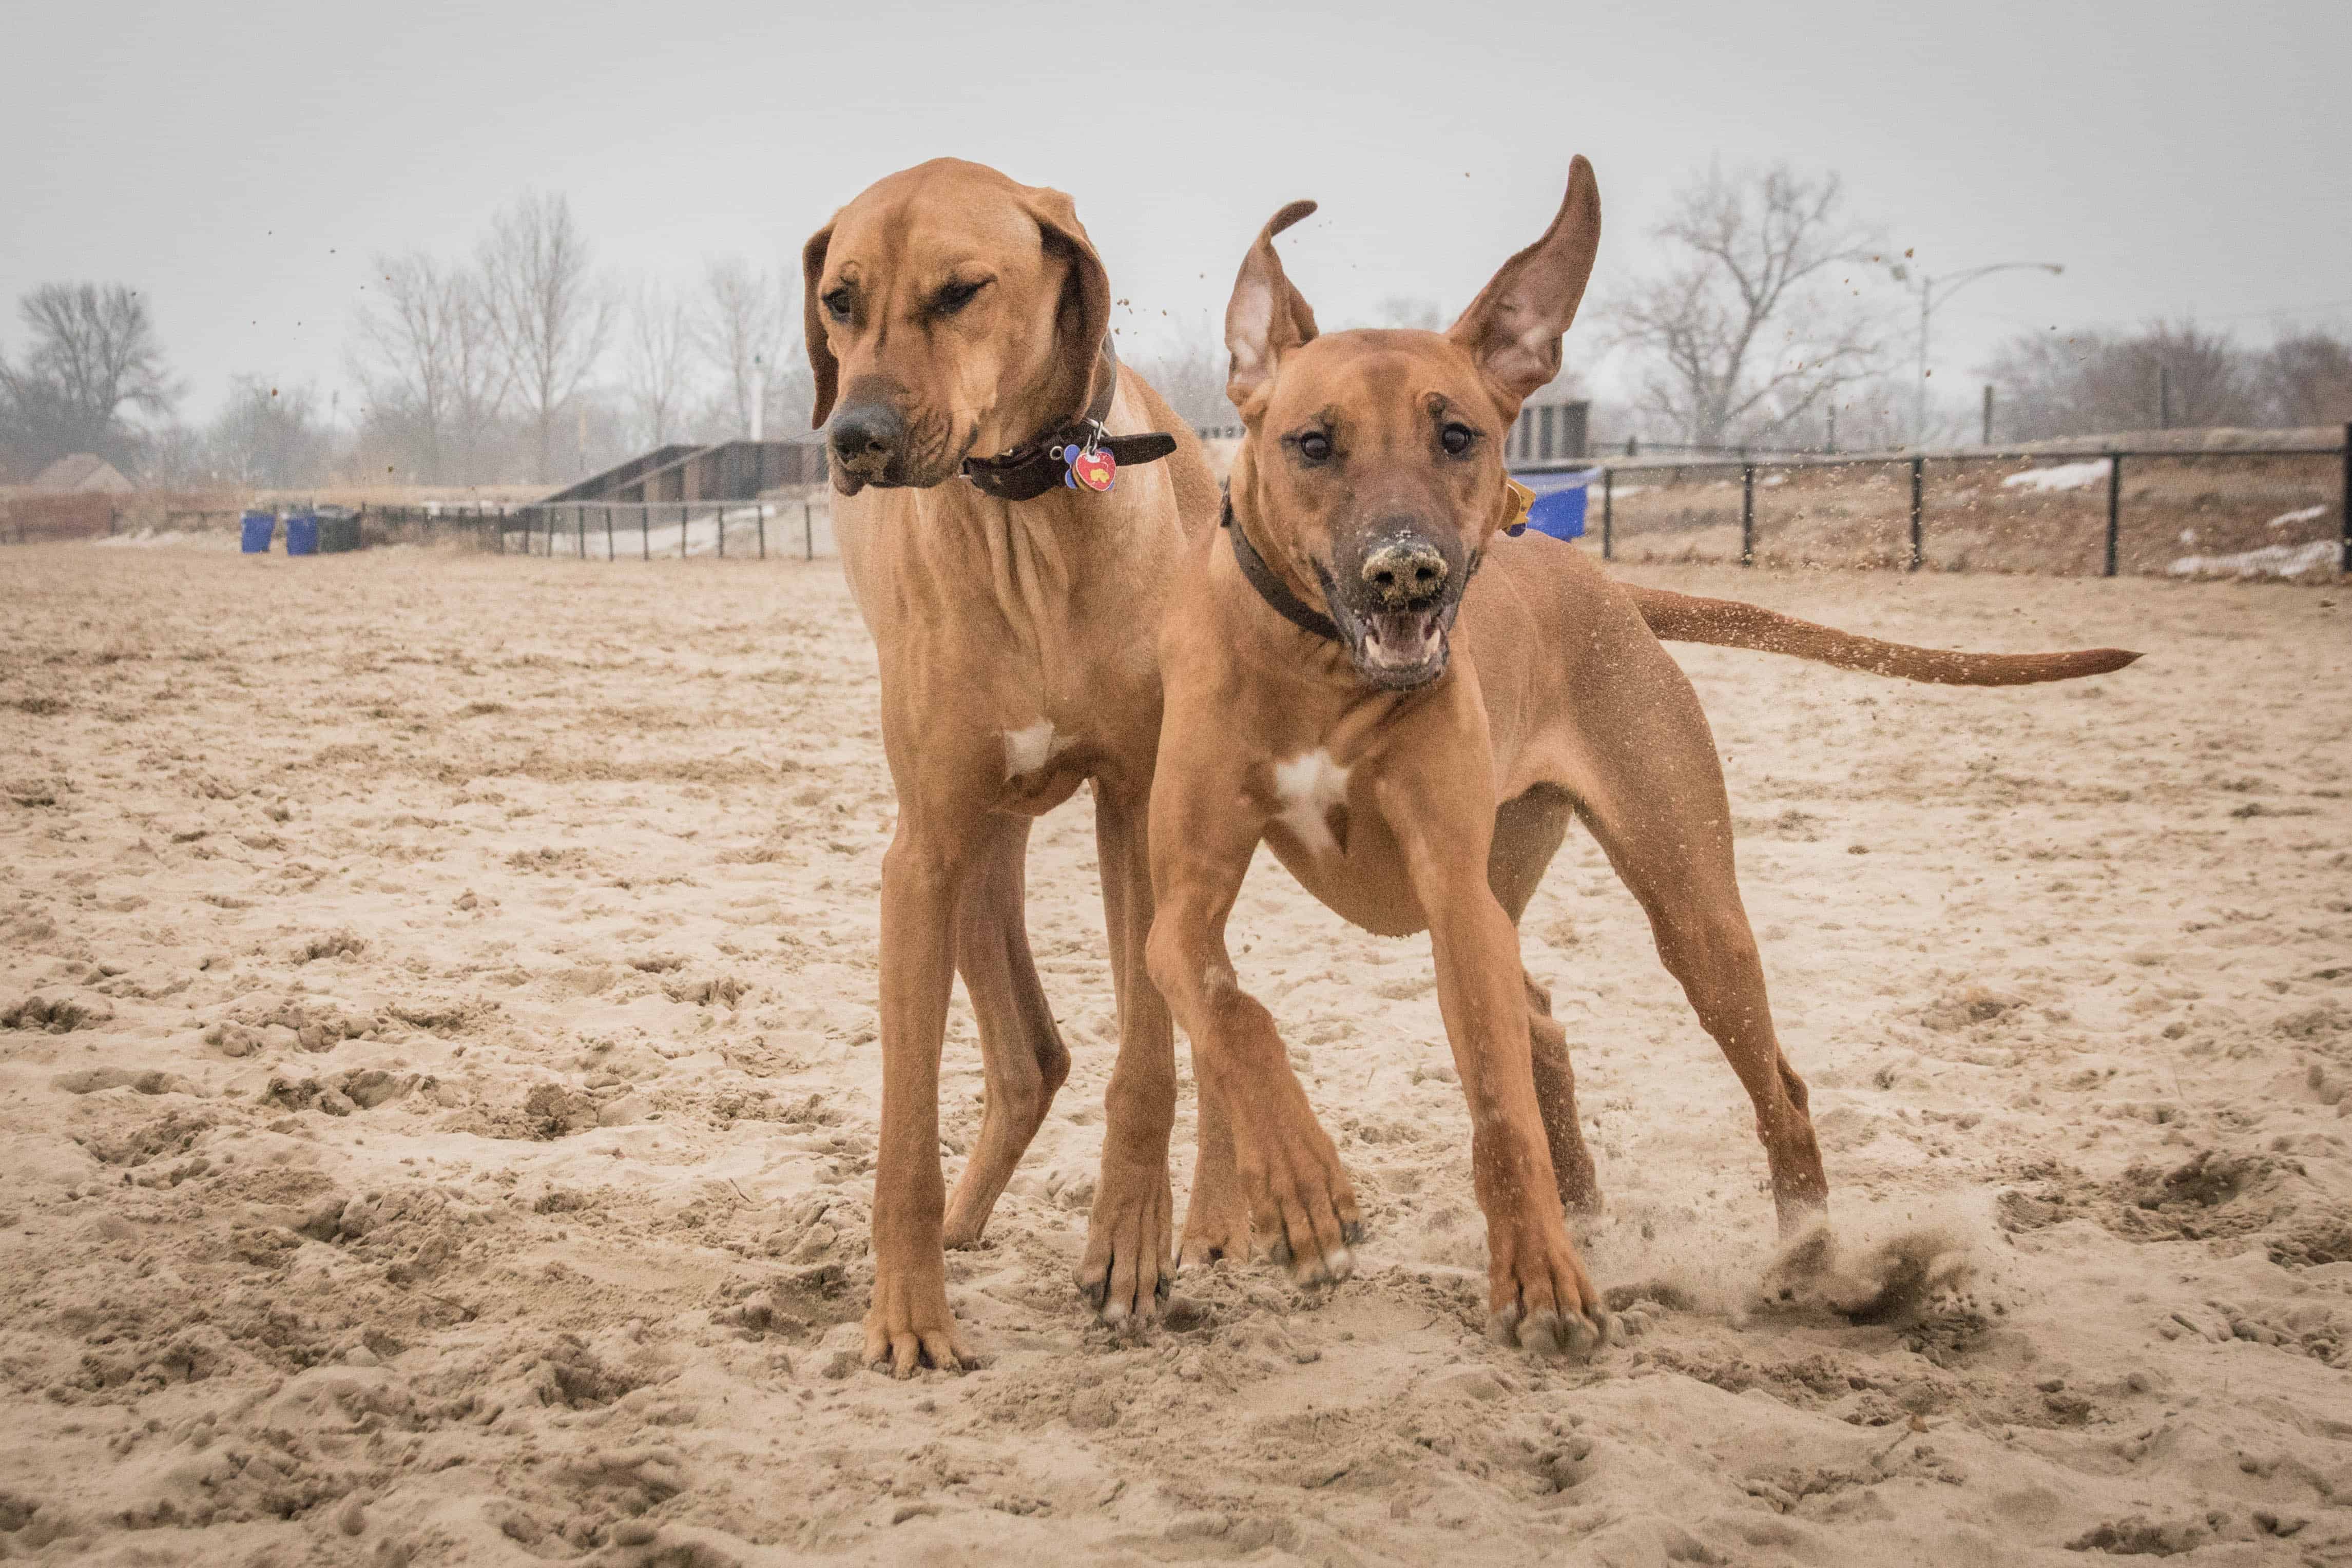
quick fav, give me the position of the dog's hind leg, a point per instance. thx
(1022, 1055)
(1528, 830)
(1653, 795)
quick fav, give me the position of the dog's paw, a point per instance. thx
(910, 1327)
(1540, 1298)
(1125, 1271)
(1881, 1283)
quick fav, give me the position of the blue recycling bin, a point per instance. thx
(302, 534)
(1559, 507)
(258, 529)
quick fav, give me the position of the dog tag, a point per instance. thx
(1090, 470)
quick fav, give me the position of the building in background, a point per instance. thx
(84, 473)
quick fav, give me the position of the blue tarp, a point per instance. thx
(1559, 508)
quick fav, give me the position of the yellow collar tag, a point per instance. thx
(1517, 499)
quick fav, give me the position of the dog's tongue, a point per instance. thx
(1400, 638)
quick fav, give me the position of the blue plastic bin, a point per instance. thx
(302, 534)
(1559, 507)
(258, 528)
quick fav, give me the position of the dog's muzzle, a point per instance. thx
(869, 444)
(1396, 607)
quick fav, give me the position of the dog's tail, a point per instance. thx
(1728, 623)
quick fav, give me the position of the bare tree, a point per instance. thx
(551, 316)
(427, 355)
(1746, 332)
(2093, 382)
(268, 437)
(743, 336)
(2306, 379)
(94, 354)
(658, 354)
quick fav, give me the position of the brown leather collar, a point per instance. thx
(1036, 467)
(1269, 585)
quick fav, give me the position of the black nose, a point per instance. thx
(867, 439)
(1404, 571)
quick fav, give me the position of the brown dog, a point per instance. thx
(1312, 703)
(951, 312)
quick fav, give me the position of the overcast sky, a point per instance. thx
(239, 163)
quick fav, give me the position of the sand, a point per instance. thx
(438, 1090)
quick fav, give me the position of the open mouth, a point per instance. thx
(1398, 648)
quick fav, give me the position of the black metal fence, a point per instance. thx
(2283, 511)
(616, 531)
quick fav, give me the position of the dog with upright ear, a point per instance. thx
(1513, 327)
(1266, 317)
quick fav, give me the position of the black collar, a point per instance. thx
(1270, 586)
(1030, 470)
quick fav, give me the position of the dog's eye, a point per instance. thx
(955, 297)
(837, 304)
(1458, 439)
(1313, 445)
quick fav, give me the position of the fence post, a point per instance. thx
(645, 528)
(808, 532)
(2345, 565)
(2115, 506)
(1607, 514)
(1747, 514)
(681, 530)
(579, 530)
(608, 530)
(1918, 466)
(763, 529)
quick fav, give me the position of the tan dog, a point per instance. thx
(1317, 699)
(951, 314)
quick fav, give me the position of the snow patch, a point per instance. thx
(2271, 560)
(2064, 477)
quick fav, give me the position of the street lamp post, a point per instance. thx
(1934, 291)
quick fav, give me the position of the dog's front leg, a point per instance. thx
(1301, 1203)
(924, 873)
(1434, 791)
(1124, 1274)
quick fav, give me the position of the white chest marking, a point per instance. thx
(1027, 750)
(1309, 786)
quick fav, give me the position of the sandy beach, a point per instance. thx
(438, 1085)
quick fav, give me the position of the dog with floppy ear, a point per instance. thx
(959, 330)
(1409, 708)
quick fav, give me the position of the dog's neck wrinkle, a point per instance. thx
(1050, 560)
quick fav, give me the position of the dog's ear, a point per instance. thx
(1266, 317)
(1512, 328)
(822, 366)
(1083, 314)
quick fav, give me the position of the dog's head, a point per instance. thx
(950, 312)
(1372, 474)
